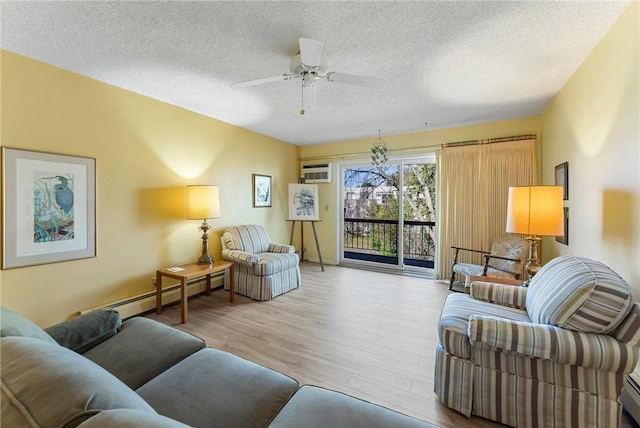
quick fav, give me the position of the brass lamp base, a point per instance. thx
(533, 263)
(205, 258)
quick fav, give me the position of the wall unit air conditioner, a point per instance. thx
(317, 173)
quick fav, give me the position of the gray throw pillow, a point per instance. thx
(86, 331)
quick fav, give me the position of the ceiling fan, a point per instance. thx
(310, 65)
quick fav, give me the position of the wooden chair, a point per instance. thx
(505, 260)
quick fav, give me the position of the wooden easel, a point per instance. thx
(315, 236)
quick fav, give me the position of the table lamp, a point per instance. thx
(203, 202)
(535, 211)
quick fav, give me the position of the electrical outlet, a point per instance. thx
(153, 282)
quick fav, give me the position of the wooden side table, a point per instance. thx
(187, 273)
(507, 281)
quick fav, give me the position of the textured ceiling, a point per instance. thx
(444, 63)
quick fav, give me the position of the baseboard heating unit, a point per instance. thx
(145, 302)
(630, 397)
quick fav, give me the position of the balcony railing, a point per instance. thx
(377, 240)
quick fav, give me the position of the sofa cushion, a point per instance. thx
(249, 238)
(579, 294)
(129, 418)
(47, 385)
(86, 331)
(212, 388)
(271, 263)
(629, 330)
(513, 247)
(142, 350)
(14, 324)
(316, 407)
(454, 321)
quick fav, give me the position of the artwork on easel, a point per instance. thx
(303, 202)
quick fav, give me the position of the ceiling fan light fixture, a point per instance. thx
(308, 79)
(297, 67)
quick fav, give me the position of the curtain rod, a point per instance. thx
(432, 146)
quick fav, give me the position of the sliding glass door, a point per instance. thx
(418, 213)
(370, 213)
(388, 214)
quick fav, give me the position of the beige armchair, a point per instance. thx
(505, 260)
(554, 355)
(263, 269)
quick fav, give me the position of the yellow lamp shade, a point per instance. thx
(202, 202)
(535, 210)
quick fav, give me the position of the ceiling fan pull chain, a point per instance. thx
(302, 97)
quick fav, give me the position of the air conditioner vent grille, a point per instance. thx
(316, 173)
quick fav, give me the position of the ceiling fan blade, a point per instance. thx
(263, 80)
(352, 79)
(309, 98)
(310, 52)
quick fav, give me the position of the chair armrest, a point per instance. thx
(240, 257)
(599, 351)
(281, 248)
(86, 331)
(493, 256)
(488, 257)
(499, 291)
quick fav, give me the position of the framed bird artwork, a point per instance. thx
(49, 203)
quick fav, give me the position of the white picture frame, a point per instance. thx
(49, 208)
(303, 202)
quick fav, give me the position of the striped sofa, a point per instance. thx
(553, 355)
(263, 270)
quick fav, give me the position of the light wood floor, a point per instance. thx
(368, 334)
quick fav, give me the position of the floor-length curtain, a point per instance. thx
(472, 190)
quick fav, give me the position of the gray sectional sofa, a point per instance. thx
(97, 371)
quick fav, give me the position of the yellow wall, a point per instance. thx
(342, 152)
(146, 152)
(594, 124)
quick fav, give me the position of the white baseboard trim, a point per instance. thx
(145, 302)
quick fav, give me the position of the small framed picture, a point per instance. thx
(564, 239)
(562, 179)
(303, 202)
(261, 191)
(49, 208)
